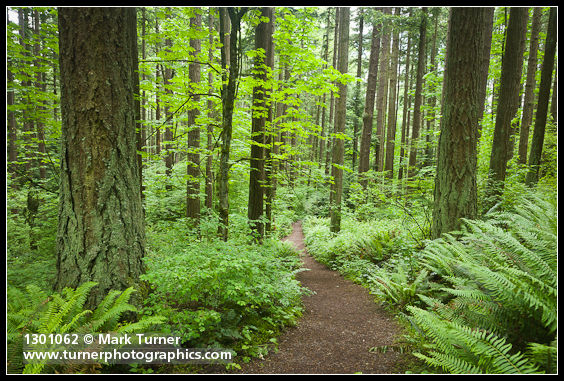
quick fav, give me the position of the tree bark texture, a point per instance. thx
(508, 102)
(258, 126)
(101, 234)
(455, 182)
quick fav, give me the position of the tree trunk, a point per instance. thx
(263, 35)
(211, 114)
(101, 234)
(510, 84)
(368, 115)
(357, 101)
(228, 98)
(418, 95)
(392, 117)
(270, 138)
(193, 155)
(530, 84)
(544, 95)
(406, 103)
(382, 94)
(340, 118)
(455, 182)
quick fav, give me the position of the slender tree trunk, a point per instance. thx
(544, 95)
(270, 137)
(211, 114)
(530, 84)
(368, 116)
(101, 234)
(455, 182)
(193, 154)
(418, 95)
(392, 116)
(382, 93)
(332, 101)
(228, 97)
(357, 101)
(406, 104)
(168, 134)
(340, 118)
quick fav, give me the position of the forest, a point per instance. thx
(328, 190)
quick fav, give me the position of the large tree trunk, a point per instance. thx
(101, 234)
(544, 95)
(455, 182)
(340, 118)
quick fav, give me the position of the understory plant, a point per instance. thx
(225, 294)
(34, 311)
(499, 276)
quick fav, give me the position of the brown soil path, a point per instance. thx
(340, 324)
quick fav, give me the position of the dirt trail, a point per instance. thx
(340, 324)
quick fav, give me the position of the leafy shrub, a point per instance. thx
(222, 294)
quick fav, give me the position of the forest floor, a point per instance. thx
(341, 322)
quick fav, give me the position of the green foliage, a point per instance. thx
(500, 280)
(358, 249)
(34, 311)
(228, 294)
(459, 348)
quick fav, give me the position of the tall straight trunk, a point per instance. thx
(168, 134)
(101, 234)
(431, 102)
(41, 87)
(193, 155)
(455, 182)
(406, 104)
(263, 35)
(270, 139)
(382, 93)
(392, 116)
(544, 95)
(486, 64)
(228, 99)
(340, 118)
(332, 101)
(368, 115)
(510, 84)
(357, 101)
(211, 114)
(530, 84)
(418, 95)
(324, 134)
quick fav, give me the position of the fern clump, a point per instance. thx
(35, 311)
(500, 278)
